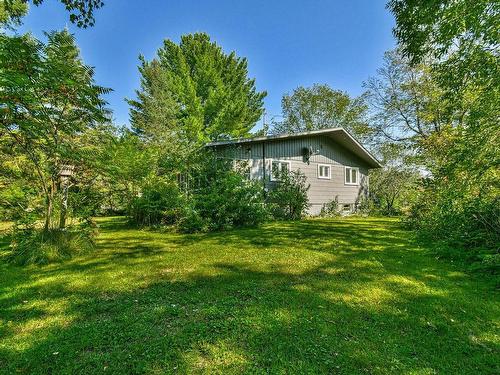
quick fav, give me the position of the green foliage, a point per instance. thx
(442, 26)
(81, 11)
(406, 103)
(193, 92)
(331, 209)
(394, 186)
(48, 102)
(230, 200)
(18, 196)
(125, 163)
(159, 202)
(221, 197)
(320, 107)
(391, 189)
(458, 40)
(192, 221)
(319, 296)
(288, 199)
(211, 195)
(365, 207)
(33, 246)
(461, 200)
(11, 12)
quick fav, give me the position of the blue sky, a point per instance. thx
(287, 43)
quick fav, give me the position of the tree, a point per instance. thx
(459, 42)
(445, 28)
(47, 102)
(125, 163)
(394, 186)
(320, 107)
(193, 92)
(11, 12)
(406, 104)
(460, 38)
(81, 11)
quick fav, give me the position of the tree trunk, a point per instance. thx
(64, 204)
(50, 206)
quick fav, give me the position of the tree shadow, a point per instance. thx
(364, 308)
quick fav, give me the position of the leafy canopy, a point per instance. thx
(406, 103)
(48, 101)
(81, 11)
(194, 92)
(320, 107)
(458, 40)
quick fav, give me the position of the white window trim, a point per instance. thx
(345, 176)
(279, 161)
(249, 165)
(329, 177)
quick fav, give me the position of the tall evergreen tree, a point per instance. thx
(194, 92)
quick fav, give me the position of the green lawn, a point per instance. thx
(319, 296)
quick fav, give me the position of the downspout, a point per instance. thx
(264, 165)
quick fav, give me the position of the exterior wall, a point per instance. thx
(321, 191)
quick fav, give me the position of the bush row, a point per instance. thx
(221, 198)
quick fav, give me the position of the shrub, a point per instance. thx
(331, 209)
(230, 200)
(464, 225)
(33, 246)
(160, 202)
(365, 206)
(192, 222)
(288, 199)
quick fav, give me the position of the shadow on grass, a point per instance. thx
(366, 302)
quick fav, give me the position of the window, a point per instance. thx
(243, 166)
(351, 175)
(324, 171)
(346, 208)
(278, 167)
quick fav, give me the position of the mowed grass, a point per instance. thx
(346, 296)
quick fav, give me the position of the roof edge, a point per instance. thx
(296, 135)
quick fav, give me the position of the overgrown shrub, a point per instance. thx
(331, 209)
(159, 202)
(34, 246)
(365, 206)
(192, 222)
(229, 200)
(288, 199)
(463, 224)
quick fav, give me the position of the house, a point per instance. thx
(336, 165)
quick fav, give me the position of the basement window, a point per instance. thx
(346, 208)
(351, 175)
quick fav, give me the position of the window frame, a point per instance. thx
(329, 176)
(271, 177)
(350, 175)
(347, 207)
(248, 168)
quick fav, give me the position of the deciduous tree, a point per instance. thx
(320, 107)
(81, 12)
(48, 100)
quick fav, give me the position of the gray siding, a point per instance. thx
(321, 190)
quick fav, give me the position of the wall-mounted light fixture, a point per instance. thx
(307, 152)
